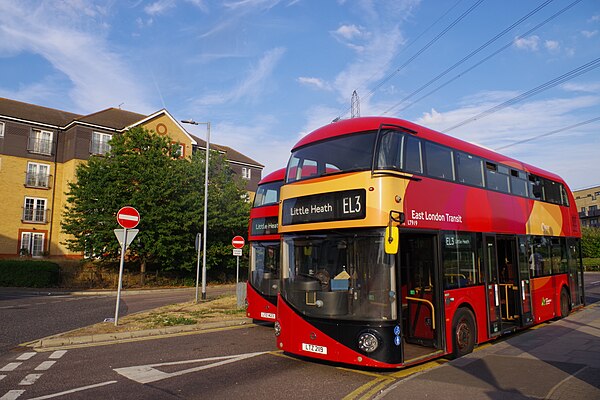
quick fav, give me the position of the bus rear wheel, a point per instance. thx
(565, 303)
(463, 332)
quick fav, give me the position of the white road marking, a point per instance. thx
(30, 379)
(147, 373)
(26, 356)
(2, 377)
(10, 367)
(57, 354)
(45, 365)
(51, 396)
(12, 395)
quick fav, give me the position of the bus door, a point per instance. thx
(524, 283)
(509, 283)
(492, 286)
(418, 271)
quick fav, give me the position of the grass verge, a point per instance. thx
(220, 309)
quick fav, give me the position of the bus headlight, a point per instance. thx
(368, 342)
(277, 328)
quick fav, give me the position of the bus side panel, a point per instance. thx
(299, 337)
(259, 307)
(474, 298)
(545, 296)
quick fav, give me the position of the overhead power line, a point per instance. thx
(506, 46)
(566, 128)
(423, 49)
(545, 86)
(471, 54)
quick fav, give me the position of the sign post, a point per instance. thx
(128, 218)
(238, 242)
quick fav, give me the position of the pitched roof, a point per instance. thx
(34, 113)
(114, 118)
(231, 154)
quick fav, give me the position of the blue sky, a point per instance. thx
(266, 72)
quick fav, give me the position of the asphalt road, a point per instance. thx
(31, 314)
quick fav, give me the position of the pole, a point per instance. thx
(123, 249)
(198, 248)
(205, 212)
(237, 271)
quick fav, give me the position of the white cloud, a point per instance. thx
(590, 87)
(552, 45)
(531, 43)
(595, 18)
(314, 82)
(254, 84)
(348, 32)
(77, 49)
(244, 136)
(589, 34)
(159, 7)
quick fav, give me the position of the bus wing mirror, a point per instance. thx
(391, 239)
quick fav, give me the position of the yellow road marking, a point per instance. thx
(377, 382)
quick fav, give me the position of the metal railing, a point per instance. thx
(99, 148)
(36, 215)
(39, 146)
(37, 180)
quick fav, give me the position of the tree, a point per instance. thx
(143, 170)
(590, 242)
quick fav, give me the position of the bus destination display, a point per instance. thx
(264, 226)
(334, 206)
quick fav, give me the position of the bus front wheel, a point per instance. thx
(463, 329)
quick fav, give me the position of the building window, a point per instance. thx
(246, 173)
(37, 175)
(100, 144)
(1, 129)
(32, 244)
(40, 142)
(180, 149)
(34, 210)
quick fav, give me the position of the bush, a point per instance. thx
(591, 264)
(29, 273)
(590, 242)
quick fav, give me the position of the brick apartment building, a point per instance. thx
(40, 149)
(588, 204)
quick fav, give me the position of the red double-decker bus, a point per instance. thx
(263, 278)
(401, 244)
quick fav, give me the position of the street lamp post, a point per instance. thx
(191, 121)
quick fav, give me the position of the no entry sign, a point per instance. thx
(238, 242)
(128, 217)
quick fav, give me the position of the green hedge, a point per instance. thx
(591, 264)
(29, 273)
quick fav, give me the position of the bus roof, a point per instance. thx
(347, 126)
(274, 176)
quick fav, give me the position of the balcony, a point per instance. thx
(36, 215)
(39, 146)
(35, 180)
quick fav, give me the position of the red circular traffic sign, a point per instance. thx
(128, 217)
(238, 242)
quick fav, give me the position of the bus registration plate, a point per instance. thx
(314, 349)
(267, 315)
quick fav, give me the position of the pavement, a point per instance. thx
(555, 360)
